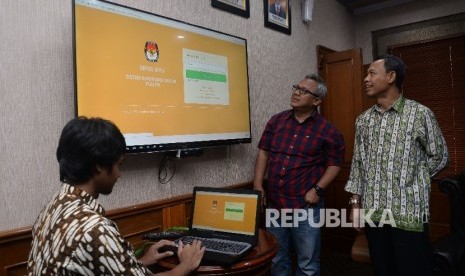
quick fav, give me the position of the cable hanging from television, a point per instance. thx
(166, 169)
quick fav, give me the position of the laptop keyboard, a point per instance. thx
(218, 245)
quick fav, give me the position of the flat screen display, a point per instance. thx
(167, 84)
(227, 212)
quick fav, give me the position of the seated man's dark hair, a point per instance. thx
(86, 143)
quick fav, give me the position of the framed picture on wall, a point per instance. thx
(239, 7)
(278, 15)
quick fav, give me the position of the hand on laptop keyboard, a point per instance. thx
(217, 245)
(175, 245)
(191, 254)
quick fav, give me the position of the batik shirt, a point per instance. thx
(396, 154)
(72, 237)
(299, 154)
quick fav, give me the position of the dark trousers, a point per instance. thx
(397, 252)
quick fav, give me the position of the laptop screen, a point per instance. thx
(225, 210)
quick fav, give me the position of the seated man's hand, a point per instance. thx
(152, 255)
(190, 255)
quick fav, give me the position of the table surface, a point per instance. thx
(258, 259)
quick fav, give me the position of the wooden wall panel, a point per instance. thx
(343, 73)
(14, 250)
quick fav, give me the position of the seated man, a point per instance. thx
(71, 235)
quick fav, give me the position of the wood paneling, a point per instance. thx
(14, 250)
(132, 222)
(343, 73)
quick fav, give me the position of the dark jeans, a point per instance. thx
(396, 252)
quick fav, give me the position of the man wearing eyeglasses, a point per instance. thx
(303, 153)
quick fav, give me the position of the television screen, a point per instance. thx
(168, 85)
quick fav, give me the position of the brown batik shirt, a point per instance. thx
(72, 237)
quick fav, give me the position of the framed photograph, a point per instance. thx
(278, 15)
(239, 7)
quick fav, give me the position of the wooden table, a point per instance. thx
(256, 262)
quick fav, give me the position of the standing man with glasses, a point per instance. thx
(303, 154)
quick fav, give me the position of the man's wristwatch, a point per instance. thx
(319, 191)
(353, 201)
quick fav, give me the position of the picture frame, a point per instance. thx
(277, 14)
(238, 7)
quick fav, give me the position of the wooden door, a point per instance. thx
(343, 73)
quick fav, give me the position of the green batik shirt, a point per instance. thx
(396, 153)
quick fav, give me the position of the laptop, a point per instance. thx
(226, 221)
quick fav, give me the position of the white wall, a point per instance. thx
(36, 97)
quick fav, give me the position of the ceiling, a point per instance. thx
(366, 6)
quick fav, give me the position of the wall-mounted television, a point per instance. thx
(167, 84)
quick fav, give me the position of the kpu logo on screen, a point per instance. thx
(151, 51)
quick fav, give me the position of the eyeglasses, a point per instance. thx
(303, 91)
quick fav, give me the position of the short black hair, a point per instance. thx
(393, 63)
(84, 144)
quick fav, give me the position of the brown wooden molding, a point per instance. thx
(149, 206)
(15, 234)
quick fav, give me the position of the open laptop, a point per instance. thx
(226, 221)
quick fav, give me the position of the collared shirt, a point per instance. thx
(299, 154)
(72, 237)
(396, 154)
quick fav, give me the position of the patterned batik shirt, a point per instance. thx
(396, 153)
(72, 237)
(299, 154)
